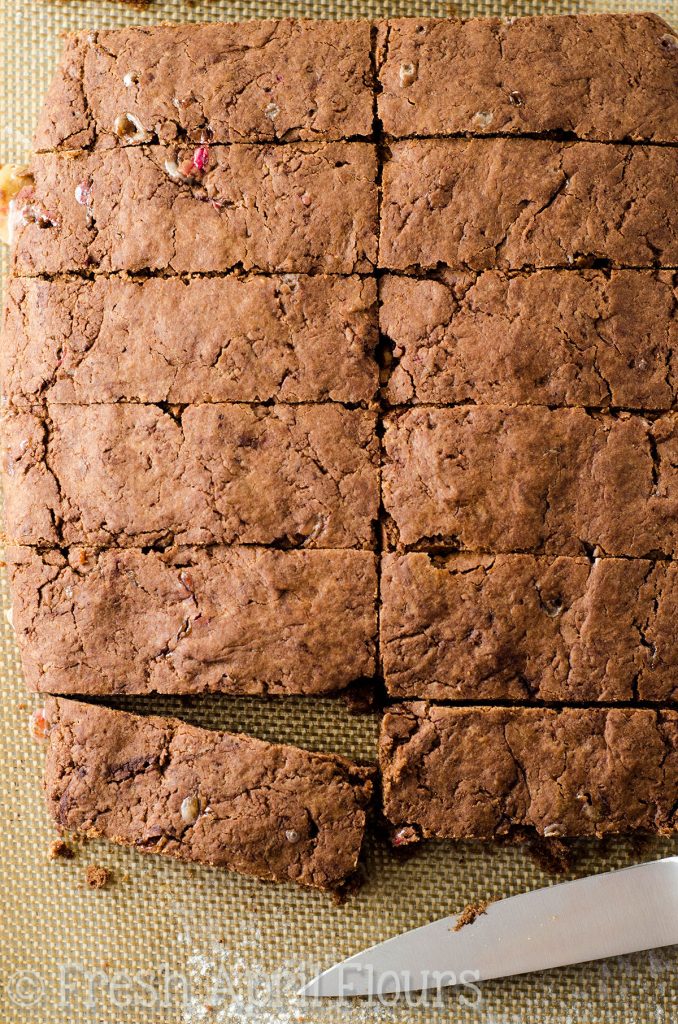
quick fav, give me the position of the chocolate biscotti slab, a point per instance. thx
(305, 207)
(512, 203)
(255, 81)
(589, 338)
(232, 801)
(483, 772)
(606, 77)
(136, 475)
(201, 339)
(532, 479)
(339, 350)
(194, 620)
(520, 627)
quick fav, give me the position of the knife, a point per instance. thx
(590, 918)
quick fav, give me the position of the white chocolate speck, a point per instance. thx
(190, 809)
(483, 118)
(127, 126)
(408, 75)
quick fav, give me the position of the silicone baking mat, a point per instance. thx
(170, 943)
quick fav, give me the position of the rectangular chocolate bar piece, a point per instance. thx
(607, 77)
(519, 627)
(191, 620)
(254, 81)
(297, 208)
(136, 475)
(547, 338)
(513, 203)
(216, 339)
(228, 800)
(532, 480)
(487, 772)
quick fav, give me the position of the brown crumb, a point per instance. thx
(60, 849)
(97, 877)
(554, 856)
(470, 912)
(360, 698)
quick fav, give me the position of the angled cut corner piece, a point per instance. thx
(264, 809)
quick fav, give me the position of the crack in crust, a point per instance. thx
(269, 810)
(483, 773)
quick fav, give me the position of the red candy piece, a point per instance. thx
(39, 724)
(201, 158)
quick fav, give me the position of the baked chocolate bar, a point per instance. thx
(231, 801)
(519, 627)
(511, 203)
(488, 772)
(140, 475)
(194, 620)
(608, 77)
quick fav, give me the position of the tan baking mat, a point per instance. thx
(181, 945)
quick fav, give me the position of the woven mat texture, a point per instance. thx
(177, 944)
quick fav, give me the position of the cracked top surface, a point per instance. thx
(297, 208)
(252, 81)
(292, 338)
(547, 338)
(273, 811)
(233, 620)
(531, 479)
(133, 475)
(511, 203)
(483, 772)
(607, 76)
(517, 627)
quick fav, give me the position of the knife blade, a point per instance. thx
(591, 918)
